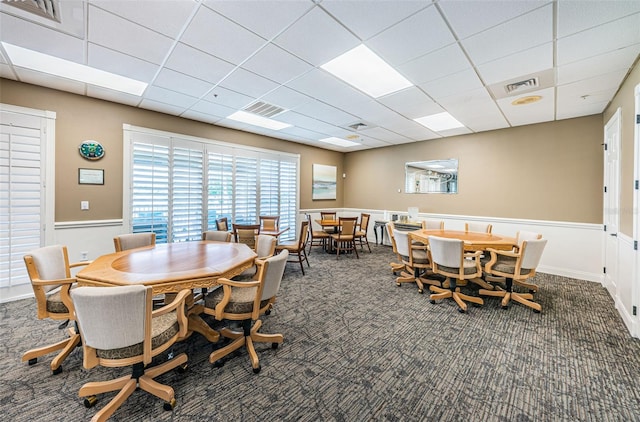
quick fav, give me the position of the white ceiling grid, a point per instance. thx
(206, 59)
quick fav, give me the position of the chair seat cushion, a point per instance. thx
(320, 234)
(241, 301)
(468, 270)
(508, 267)
(419, 257)
(163, 328)
(291, 247)
(55, 304)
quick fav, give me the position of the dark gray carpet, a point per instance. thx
(359, 348)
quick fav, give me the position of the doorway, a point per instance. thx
(611, 212)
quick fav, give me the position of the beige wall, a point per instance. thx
(625, 100)
(548, 171)
(79, 118)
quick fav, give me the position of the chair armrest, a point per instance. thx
(226, 282)
(176, 304)
(62, 281)
(475, 254)
(79, 264)
(504, 252)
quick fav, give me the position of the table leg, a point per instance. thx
(197, 324)
(375, 232)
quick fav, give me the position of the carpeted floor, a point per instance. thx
(359, 348)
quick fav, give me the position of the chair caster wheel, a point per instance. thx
(33, 361)
(420, 291)
(476, 305)
(462, 311)
(182, 368)
(90, 401)
(433, 301)
(505, 307)
(257, 370)
(57, 371)
(218, 364)
(398, 284)
(169, 405)
(274, 346)
(535, 311)
(268, 312)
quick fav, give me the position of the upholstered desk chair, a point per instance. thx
(477, 227)
(119, 328)
(517, 265)
(246, 233)
(217, 235)
(361, 232)
(399, 265)
(222, 225)
(124, 242)
(269, 222)
(432, 224)
(520, 237)
(449, 259)
(51, 280)
(298, 247)
(265, 248)
(316, 237)
(415, 258)
(247, 301)
(345, 239)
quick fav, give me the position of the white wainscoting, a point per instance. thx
(626, 284)
(94, 238)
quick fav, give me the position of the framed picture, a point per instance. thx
(324, 182)
(91, 176)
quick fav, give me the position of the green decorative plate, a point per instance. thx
(91, 150)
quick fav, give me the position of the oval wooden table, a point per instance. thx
(171, 267)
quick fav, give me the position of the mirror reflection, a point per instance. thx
(432, 176)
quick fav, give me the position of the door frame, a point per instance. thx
(611, 177)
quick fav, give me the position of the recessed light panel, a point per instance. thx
(338, 141)
(255, 120)
(363, 69)
(44, 63)
(439, 122)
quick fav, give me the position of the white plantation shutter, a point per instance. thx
(22, 200)
(180, 185)
(187, 194)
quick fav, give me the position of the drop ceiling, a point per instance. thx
(205, 60)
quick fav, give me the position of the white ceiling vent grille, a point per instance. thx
(49, 9)
(358, 126)
(522, 85)
(264, 109)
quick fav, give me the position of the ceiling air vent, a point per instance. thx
(522, 85)
(264, 109)
(49, 9)
(358, 126)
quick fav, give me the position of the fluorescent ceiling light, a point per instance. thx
(254, 119)
(439, 122)
(366, 71)
(338, 141)
(41, 62)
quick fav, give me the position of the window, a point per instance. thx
(180, 185)
(26, 141)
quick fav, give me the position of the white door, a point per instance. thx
(611, 201)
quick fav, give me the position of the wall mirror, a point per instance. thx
(432, 176)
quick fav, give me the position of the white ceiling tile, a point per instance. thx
(593, 42)
(410, 102)
(212, 109)
(383, 134)
(286, 98)
(442, 62)
(323, 86)
(166, 96)
(328, 113)
(266, 18)
(179, 82)
(302, 121)
(161, 107)
(412, 130)
(372, 110)
(455, 132)
(457, 83)
(198, 64)
(533, 29)
(7, 72)
(317, 38)
(541, 111)
(117, 34)
(166, 17)
(200, 117)
(470, 17)
(420, 34)
(598, 65)
(220, 37)
(248, 83)
(276, 64)
(576, 16)
(228, 98)
(569, 109)
(120, 64)
(50, 81)
(72, 21)
(366, 18)
(597, 88)
(113, 96)
(41, 39)
(522, 63)
(303, 133)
